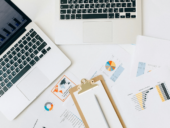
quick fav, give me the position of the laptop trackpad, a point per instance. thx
(33, 84)
(98, 32)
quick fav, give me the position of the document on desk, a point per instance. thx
(113, 63)
(52, 110)
(148, 100)
(150, 54)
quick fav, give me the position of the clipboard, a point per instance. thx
(77, 88)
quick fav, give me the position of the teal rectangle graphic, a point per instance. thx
(117, 73)
(141, 69)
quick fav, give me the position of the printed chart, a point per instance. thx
(145, 68)
(110, 65)
(140, 99)
(48, 106)
(112, 68)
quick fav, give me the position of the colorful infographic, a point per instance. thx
(61, 90)
(140, 99)
(110, 66)
(48, 106)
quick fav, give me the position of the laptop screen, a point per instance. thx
(11, 20)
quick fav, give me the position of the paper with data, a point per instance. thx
(146, 103)
(150, 54)
(113, 63)
(51, 110)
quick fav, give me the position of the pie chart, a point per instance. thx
(48, 106)
(110, 65)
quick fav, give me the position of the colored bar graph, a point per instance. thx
(140, 99)
(17, 22)
(12, 26)
(6, 32)
(2, 38)
(141, 69)
(117, 73)
(163, 92)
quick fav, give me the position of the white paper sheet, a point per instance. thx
(50, 110)
(150, 54)
(121, 58)
(146, 103)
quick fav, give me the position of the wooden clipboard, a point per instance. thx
(74, 89)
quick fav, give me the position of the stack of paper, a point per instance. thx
(141, 88)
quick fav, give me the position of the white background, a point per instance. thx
(156, 23)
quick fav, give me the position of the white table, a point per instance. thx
(156, 24)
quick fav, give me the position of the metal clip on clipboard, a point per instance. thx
(86, 85)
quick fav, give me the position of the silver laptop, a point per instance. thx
(98, 21)
(29, 61)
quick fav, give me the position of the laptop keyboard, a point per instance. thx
(20, 59)
(97, 9)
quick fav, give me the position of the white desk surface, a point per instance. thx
(156, 19)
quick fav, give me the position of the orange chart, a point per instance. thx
(110, 65)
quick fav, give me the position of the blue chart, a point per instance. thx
(117, 73)
(141, 69)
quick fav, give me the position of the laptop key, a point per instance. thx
(2, 63)
(32, 63)
(1, 92)
(130, 9)
(41, 55)
(4, 75)
(64, 6)
(133, 16)
(15, 64)
(25, 42)
(33, 34)
(30, 50)
(28, 39)
(2, 84)
(6, 80)
(9, 85)
(63, 1)
(10, 77)
(35, 52)
(111, 15)
(127, 15)
(4, 69)
(73, 16)
(5, 89)
(36, 58)
(24, 63)
(67, 17)
(129, 4)
(62, 17)
(8, 65)
(1, 72)
(21, 66)
(32, 55)
(12, 68)
(44, 51)
(13, 73)
(28, 59)
(20, 74)
(17, 70)
(42, 45)
(63, 11)
(1, 78)
(39, 38)
(133, 3)
(94, 16)
(116, 15)
(19, 54)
